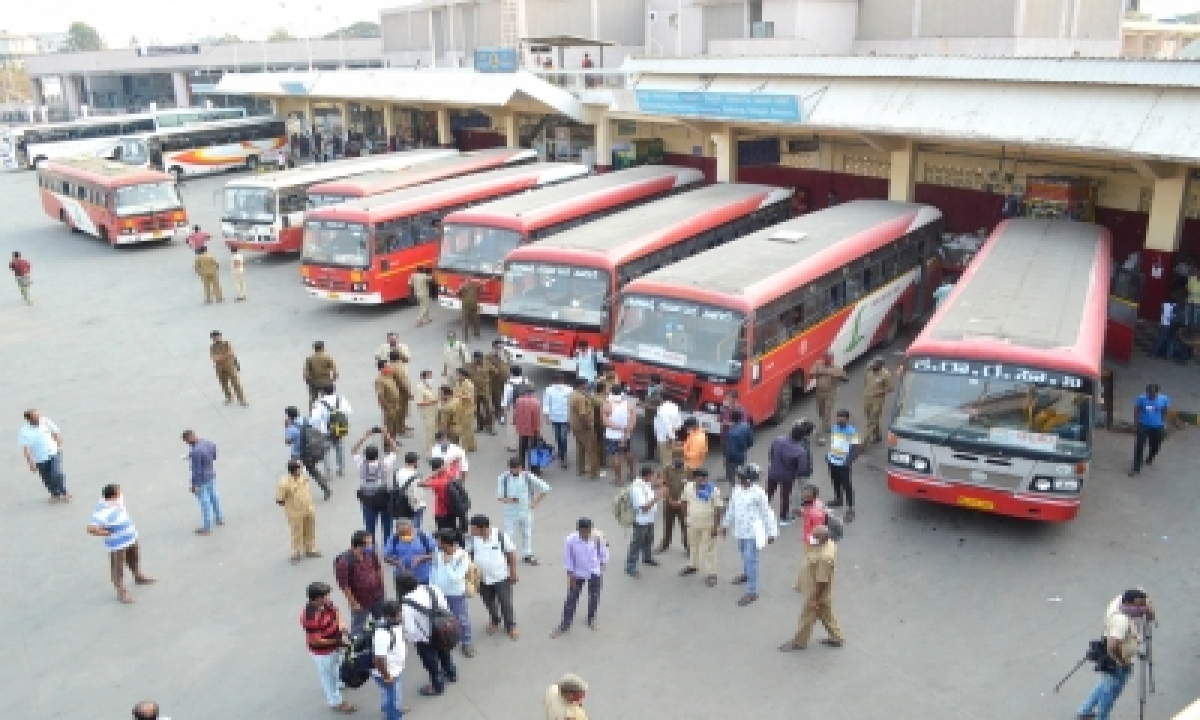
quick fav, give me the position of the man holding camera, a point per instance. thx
(1121, 638)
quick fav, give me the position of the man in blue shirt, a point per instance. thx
(1150, 409)
(738, 441)
(293, 437)
(844, 448)
(41, 442)
(203, 455)
(410, 551)
(556, 405)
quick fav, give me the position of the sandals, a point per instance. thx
(711, 581)
(492, 628)
(687, 571)
(345, 708)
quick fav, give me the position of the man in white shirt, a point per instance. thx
(520, 491)
(418, 603)
(408, 482)
(387, 644)
(325, 405)
(556, 406)
(450, 452)
(495, 556)
(644, 494)
(449, 574)
(667, 422)
(754, 527)
(619, 419)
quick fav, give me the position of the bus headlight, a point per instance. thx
(908, 460)
(899, 458)
(920, 464)
(1042, 484)
(1066, 485)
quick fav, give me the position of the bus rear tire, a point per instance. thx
(893, 329)
(787, 396)
(104, 234)
(177, 173)
(252, 163)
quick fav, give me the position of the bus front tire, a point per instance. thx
(104, 234)
(177, 173)
(787, 396)
(252, 163)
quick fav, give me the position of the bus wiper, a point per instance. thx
(950, 435)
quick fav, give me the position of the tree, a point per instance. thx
(361, 29)
(81, 37)
(229, 39)
(15, 85)
(280, 34)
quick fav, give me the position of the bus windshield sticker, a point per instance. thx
(1041, 442)
(654, 353)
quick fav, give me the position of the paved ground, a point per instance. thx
(949, 614)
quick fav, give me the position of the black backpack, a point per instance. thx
(444, 629)
(401, 506)
(360, 657)
(313, 444)
(457, 498)
(379, 498)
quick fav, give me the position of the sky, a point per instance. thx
(175, 22)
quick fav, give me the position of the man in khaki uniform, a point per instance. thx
(564, 699)
(584, 429)
(427, 407)
(702, 509)
(827, 375)
(399, 371)
(237, 269)
(384, 351)
(293, 496)
(598, 398)
(878, 385)
(816, 583)
(388, 396)
(226, 365)
(464, 394)
(497, 363)
(675, 478)
(448, 415)
(422, 288)
(208, 269)
(481, 378)
(469, 294)
(319, 371)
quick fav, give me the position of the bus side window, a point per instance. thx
(81, 193)
(66, 188)
(836, 294)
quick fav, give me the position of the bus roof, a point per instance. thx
(1037, 293)
(377, 182)
(210, 125)
(105, 172)
(632, 233)
(538, 209)
(312, 174)
(450, 192)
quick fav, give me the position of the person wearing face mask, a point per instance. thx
(427, 407)
(675, 476)
(293, 496)
(702, 506)
(360, 577)
(323, 630)
(410, 552)
(844, 448)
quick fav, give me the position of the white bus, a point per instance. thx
(208, 147)
(30, 145)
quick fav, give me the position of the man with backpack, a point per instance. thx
(408, 497)
(306, 444)
(788, 460)
(520, 491)
(492, 551)
(450, 500)
(458, 580)
(331, 415)
(737, 442)
(387, 645)
(374, 474)
(431, 628)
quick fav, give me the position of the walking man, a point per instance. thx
(469, 295)
(464, 393)
(323, 629)
(294, 437)
(387, 644)
(450, 566)
(427, 407)
(618, 429)
(644, 493)
(695, 444)
(422, 287)
(753, 526)
(492, 551)
(556, 404)
(408, 497)
(737, 442)
(418, 603)
(827, 375)
(497, 364)
(375, 481)
(41, 442)
(330, 415)
(360, 576)
(21, 270)
(319, 371)
(844, 448)
(675, 477)
(508, 399)
(585, 556)
(582, 427)
(237, 269)
(226, 364)
(703, 507)
(527, 418)
(207, 267)
(481, 380)
(789, 459)
(202, 455)
(111, 521)
(1121, 639)
(1150, 409)
(388, 396)
(878, 385)
(293, 496)
(384, 351)
(520, 491)
(816, 583)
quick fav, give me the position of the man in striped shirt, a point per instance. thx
(111, 522)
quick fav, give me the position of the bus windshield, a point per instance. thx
(155, 197)
(336, 243)
(476, 249)
(1031, 410)
(703, 339)
(254, 204)
(541, 292)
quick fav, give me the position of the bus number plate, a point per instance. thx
(976, 503)
(334, 296)
(552, 362)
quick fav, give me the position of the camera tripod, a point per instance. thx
(1146, 670)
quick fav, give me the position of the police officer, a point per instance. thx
(448, 413)
(878, 385)
(422, 287)
(464, 393)
(482, 381)
(226, 365)
(427, 407)
(454, 356)
(388, 396)
(498, 365)
(827, 375)
(208, 269)
(598, 398)
(469, 294)
(399, 372)
(319, 370)
(584, 429)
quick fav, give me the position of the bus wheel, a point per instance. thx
(252, 163)
(177, 173)
(893, 329)
(104, 234)
(787, 394)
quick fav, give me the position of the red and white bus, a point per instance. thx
(364, 251)
(119, 204)
(995, 409)
(559, 292)
(476, 241)
(266, 212)
(370, 184)
(756, 314)
(208, 148)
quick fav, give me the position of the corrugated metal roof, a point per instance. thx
(1091, 71)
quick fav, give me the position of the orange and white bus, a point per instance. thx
(266, 212)
(756, 314)
(476, 241)
(119, 204)
(208, 148)
(379, 182)
(996, 406)
(559, 292)
(364, 251)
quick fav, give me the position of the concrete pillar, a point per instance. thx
(344, 110)
(508, 126)
(389, 123)
(70, 88)
(309, 117)
(1163, 232)
(725, 151)
(445, 138)
(604, 145)
(902, 185)
(183, 93)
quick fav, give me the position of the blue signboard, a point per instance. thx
(496, 60)
(735, 106)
